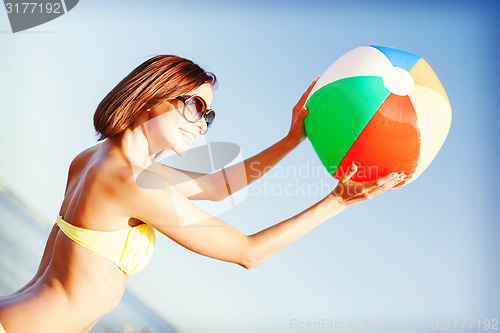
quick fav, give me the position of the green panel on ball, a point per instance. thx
(338, 112)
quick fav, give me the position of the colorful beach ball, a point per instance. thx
(381, 108)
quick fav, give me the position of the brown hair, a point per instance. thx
(159, 78)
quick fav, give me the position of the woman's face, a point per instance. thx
(166, 127)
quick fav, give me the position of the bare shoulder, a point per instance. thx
(94, 163)
(76, 167)
(113, 175)
(81, 160)
(97, 174)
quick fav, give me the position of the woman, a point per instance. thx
(117, 195)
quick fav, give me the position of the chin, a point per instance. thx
(181, 152)
(180, 148)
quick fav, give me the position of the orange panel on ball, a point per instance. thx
(390, 142)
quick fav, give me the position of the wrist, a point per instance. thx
(290, 141)
(334, 204)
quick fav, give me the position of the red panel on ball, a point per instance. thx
(390, 142)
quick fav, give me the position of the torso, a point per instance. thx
(80, 286)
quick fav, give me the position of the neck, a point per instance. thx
(135, 145)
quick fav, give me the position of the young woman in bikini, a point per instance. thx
(117, 196)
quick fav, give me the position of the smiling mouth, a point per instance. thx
(187, 135)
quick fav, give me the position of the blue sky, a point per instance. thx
(428, 251)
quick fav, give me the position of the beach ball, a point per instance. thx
(381, 108)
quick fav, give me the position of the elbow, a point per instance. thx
(248, 265)
(250, 259)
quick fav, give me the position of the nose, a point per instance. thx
(201, 124)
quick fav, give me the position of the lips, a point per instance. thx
(187, 135)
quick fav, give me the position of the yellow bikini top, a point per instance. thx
(129, 249)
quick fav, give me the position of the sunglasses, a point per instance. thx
(195, 108)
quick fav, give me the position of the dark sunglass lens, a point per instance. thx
(200, 107)
(194, 108)
(209, 118)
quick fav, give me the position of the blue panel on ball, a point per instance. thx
(398, 58)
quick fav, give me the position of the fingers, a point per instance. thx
(303, 112)
(307, 92)
(312, 86)
(304, 96)
(390, 181)
(349, 173)
(368, 190)
(299, 117)
(382, 180)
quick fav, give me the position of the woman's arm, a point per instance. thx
(168, 211)
(219, 185)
